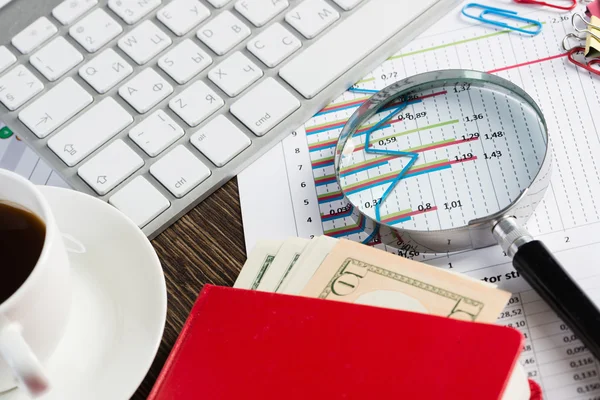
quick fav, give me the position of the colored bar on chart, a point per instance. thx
(415, 171)
(357, 227)
(404, 216)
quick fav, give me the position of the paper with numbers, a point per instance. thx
(16, 156)
(301, 195)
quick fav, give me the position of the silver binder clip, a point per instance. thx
(582, 33)
(588, 25)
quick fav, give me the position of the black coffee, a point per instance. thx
(22, 236)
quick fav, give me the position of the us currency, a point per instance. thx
(359, 274)
(258, 263)
(310, 260)
(286, 259)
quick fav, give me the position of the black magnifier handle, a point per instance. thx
(553, 283)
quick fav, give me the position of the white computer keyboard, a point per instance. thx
(153, 104)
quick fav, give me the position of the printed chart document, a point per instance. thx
(568, 220)
(16, 156)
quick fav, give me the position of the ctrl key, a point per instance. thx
(180, 171)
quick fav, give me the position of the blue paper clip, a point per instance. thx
(500, 12)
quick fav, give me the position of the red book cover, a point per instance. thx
(240, 344)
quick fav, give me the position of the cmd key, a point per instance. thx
(264, 106)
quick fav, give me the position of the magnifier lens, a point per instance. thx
(442, 155)
(443, 161)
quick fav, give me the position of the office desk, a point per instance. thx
(205, 246)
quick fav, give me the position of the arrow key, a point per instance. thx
(110, 167)
(55, 107)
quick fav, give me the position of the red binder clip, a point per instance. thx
(589, 66)
(553, 5)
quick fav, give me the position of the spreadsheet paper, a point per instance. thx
(299, 196)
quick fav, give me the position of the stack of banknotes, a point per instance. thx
(347, 271)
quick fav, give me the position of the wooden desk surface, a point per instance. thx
(205, 246)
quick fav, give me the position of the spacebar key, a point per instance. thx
(349, 42)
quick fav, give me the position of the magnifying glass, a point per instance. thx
(453, 160)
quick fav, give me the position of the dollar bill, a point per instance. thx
(310, 260)
(356, 273)
(258, 263)
(286, 259)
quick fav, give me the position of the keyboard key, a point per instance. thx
(180, 171)
(184, 61)
(144, 42)
(259, 12)
(145, 90)
(105, 71)
(56, 58)
(274, 45)
(89, 131)
(55, 107)
(69, 10)
(235, 74)
(34, 35)
(18, 86)
(140, 201)
(181, 16)
(218, 3)
(95, 30)
(131, 11)
(347, 4)
(196, 103)
(220, 141)
(325, 60)
(155, 133)
(223, 32)
(264, 106)
(6, 58)
(311, 17)
(111, 166)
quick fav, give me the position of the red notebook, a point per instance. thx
(240, 344)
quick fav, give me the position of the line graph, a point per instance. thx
(486, 150)
(322, 132)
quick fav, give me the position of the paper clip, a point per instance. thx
(499, 12)
(553, 5)
(589, 66)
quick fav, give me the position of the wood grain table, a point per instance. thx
(205, 246)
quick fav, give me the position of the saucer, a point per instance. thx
(119, 303)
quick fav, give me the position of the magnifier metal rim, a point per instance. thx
(443, 77)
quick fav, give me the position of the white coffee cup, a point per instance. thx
(33, 319)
